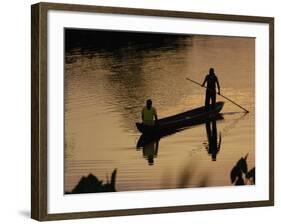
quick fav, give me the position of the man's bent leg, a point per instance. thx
(213, 100)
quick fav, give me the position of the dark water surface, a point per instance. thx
(108, 78)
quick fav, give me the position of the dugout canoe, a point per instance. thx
(189, 118)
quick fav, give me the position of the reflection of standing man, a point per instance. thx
(150, 151)
(149, 113)
(212, 81)
(213, 146)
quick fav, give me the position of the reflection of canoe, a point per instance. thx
(192, 117)
(147, 138)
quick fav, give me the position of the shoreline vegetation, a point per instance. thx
(91, 184)
(95, 39)
(239, 175)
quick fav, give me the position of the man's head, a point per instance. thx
(149, 103)
(211, 71)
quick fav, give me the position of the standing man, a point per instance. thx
(149, 113)
(212, 81)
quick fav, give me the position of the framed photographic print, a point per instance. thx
(138, 111)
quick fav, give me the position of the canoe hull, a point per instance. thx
(145, 138)
(185, 119)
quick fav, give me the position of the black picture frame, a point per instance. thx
(39, 23)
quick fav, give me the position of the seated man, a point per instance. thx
(149, 113)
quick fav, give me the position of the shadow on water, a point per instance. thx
(91, 184)
(214, 142)
(145, 139)
(150, 151)
(240, 175)
(150, 142)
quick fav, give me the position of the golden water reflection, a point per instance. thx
(107, 86)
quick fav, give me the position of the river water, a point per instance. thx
(109, 76)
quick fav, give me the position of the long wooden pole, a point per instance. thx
(246, 111)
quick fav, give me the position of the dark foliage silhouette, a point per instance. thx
(91, 184)
(240, 175)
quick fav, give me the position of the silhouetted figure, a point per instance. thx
(91, 184)
(211, 80)
(150, 151)
(213, 144)
(149, 113)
